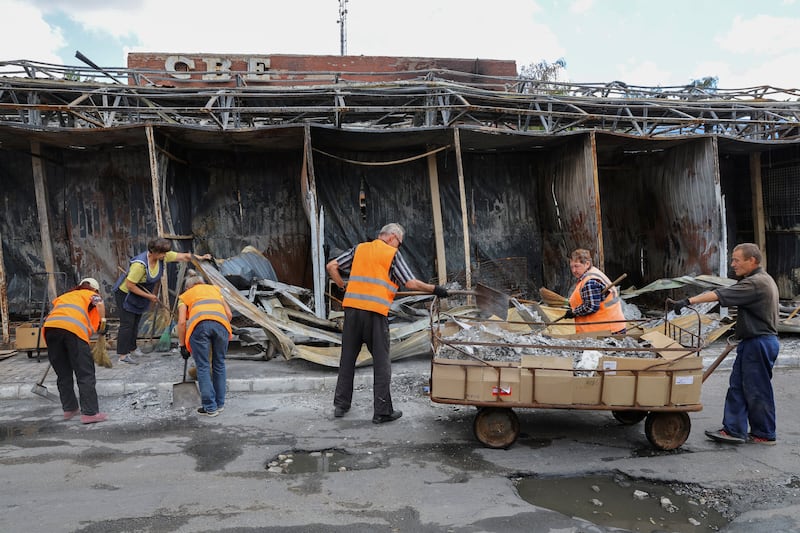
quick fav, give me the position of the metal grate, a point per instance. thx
(782, 187)
(507, 274)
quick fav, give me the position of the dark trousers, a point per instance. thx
(128, 326)
(750, 398)
(365, 327)
(69, 354)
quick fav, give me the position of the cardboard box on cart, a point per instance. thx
(552, 378)
(449, 378)
(653, 374)
(460, 379)
(495, 382)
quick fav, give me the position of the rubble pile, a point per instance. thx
(493, 343)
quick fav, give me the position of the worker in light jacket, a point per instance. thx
(204, 330)
(76, 316)
(592, 310)
(377, 269)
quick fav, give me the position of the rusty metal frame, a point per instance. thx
(51, 96)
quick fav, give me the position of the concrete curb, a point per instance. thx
(285, 384)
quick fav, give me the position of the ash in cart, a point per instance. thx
(750, 398)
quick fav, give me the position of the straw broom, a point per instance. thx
(164, 343)
(100, 352)
(552, 298)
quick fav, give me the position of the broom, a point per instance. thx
(100, 352)
(165, 340)
(552, 298)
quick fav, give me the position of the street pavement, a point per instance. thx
(278, 405)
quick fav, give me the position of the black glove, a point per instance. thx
(185, 352)
(678, 306)
(569, 313)
(440, 291)
(101, 330)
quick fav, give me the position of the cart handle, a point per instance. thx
(718, 360)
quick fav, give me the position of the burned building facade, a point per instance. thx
(491, 175)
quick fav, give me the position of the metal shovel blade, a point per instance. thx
(41, 390)
(185, 394)
(491, 302)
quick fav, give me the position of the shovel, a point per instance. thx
(185, 394)
(491, 302)
(41, 390)
(38, 388)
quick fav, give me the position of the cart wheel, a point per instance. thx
(667, 430)
(496, 427)
(629, 418)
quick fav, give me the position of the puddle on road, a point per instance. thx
(10, 433)
(18, 432)
(617, 501)
(322, 461)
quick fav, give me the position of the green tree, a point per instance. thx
(543, 70)
(539, 77)
(703, 86)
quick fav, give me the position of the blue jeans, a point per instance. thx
(210, 339)
(750, 397)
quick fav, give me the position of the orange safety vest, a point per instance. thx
(204, 302)
(610, 307)
(369, 287)
(71, 312)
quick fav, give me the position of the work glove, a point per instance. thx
(440, 291)
(678, 305)
(569, 313)
(185, 353)
(101, 330)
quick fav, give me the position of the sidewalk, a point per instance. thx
(160, 370)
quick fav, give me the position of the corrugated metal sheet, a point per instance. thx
(528, 196)
(567, 210)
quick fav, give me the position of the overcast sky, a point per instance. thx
(639, 42)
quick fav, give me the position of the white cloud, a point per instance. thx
(231, 27)
(442, 28)
(762, 34)
(27, 35)
(772, 72)
(581, 7)
(453, 28)
(645, 73)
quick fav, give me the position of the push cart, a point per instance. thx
(660, 389)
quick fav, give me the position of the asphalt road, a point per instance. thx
(151, 468)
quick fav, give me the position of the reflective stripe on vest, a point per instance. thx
(610, 307)
(71, 312)
(204, 302)
(369, 286)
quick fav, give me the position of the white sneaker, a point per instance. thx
(138, 353)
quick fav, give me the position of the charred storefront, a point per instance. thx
(491, 181)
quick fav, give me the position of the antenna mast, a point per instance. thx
(342, 27)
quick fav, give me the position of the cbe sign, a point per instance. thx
(217, 68)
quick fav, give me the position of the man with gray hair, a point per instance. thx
(750, 398)
(377, 269)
